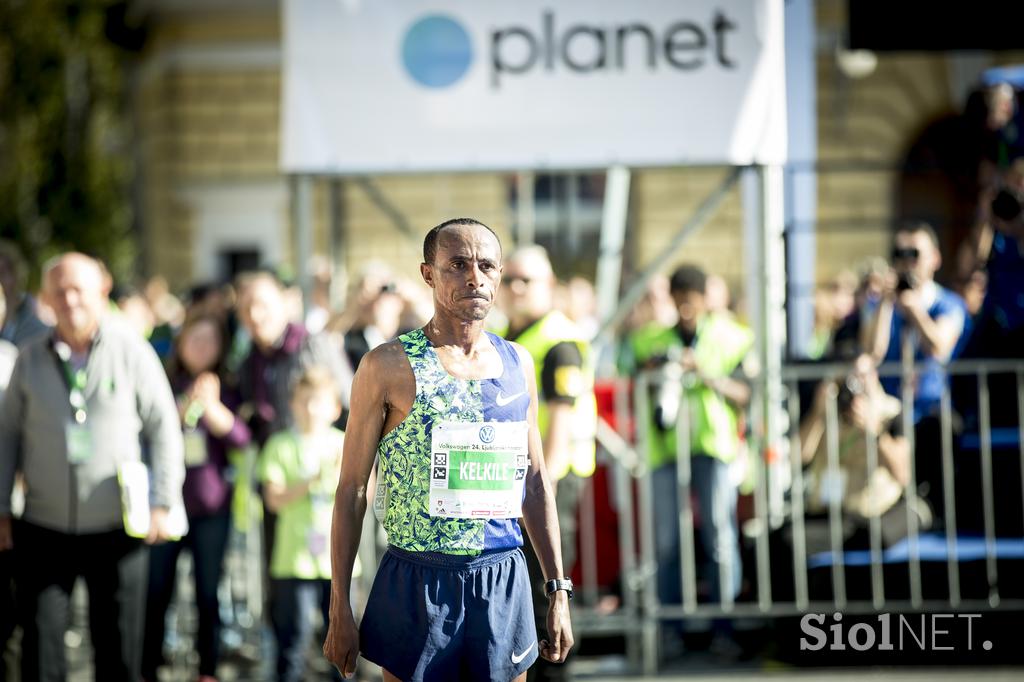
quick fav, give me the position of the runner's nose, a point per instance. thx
(475, 276)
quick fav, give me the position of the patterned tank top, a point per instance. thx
(405, 452)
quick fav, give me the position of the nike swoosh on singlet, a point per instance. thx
(520, 657)
(502, 401)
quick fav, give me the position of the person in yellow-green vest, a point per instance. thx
(710, 349)
(567, 413)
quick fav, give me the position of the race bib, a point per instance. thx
(478, 469)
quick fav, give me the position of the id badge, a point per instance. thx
(79, 441)
(195, 448)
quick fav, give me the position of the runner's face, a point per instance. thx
(465, 273)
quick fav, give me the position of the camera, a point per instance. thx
(906, 281)
(1006, 205)
(667, 389)
(849, 388)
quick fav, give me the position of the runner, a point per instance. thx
(451, 412)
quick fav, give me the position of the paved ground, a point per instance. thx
(248, 657)
(858, 674)
(252, 665)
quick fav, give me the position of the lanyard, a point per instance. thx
(193, 413)
(75, 380)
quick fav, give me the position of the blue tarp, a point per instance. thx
(1014, 75)
(931, 547)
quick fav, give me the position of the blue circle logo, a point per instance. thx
(487, 434)
(436, 51)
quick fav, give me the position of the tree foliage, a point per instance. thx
(65, 162)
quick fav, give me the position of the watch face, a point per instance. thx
(552, 586)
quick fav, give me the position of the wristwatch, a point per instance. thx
(552, 586)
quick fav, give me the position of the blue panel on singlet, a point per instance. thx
(505, 399)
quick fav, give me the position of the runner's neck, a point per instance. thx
(469, 337)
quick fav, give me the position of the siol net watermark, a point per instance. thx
(888, 632)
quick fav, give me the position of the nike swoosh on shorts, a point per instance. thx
(502, 401)
(520, 657)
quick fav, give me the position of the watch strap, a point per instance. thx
(552, 586)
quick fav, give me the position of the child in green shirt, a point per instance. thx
(299, 471)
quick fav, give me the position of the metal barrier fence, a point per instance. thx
(778, 495)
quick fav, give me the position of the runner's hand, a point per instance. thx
(556, 647)
(341, 647)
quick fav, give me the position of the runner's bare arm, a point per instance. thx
(541, 519)
(375, 379)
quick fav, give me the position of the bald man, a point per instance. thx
(81, 403)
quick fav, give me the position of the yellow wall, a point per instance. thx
(200, 125)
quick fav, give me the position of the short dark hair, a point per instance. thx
(688, 278)
(430, 241)
(263, 272)
(920, 226)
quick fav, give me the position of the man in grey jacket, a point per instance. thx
(82, 402)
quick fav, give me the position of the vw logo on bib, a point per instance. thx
(486, 434)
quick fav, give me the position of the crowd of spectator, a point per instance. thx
(892, 321)
(95, 375)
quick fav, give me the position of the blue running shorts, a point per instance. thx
(434, 616)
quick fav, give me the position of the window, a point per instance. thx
(567, 219)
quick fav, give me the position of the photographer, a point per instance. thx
(919, 321)
(864, 412)
(995, 246)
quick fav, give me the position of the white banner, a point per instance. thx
(410, 85)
